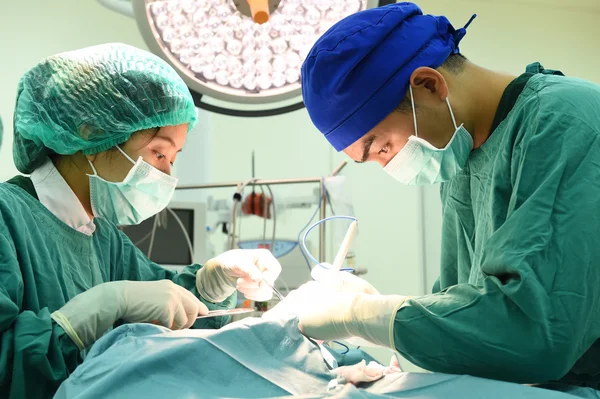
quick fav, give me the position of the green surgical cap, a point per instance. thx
(93, 99)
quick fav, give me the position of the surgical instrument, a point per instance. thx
(275, 291)
(226, 312)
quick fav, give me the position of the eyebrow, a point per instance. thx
(366, 149)
(169, 140)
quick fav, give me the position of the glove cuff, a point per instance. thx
(372, 317)
(213, 284)
(62, 321)
(89, 315)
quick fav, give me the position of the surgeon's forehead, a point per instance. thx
(359, 150)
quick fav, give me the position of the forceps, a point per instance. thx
(275, 291)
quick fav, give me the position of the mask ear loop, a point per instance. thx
(125, 154)
(451, 113)
(412, 101)
(93, 169)
(122, 152)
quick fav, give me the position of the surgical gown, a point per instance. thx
(518, 297)
(43, 264)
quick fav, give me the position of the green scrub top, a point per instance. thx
(43, 264)
(518, 297)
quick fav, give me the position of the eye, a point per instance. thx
(162, 157)
(383, 150)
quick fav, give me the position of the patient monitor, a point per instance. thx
(164, 236)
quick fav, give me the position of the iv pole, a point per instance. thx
(275, 182)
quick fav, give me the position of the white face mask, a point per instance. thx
(143, 193)
(420, 163)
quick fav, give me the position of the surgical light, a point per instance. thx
(221, 52)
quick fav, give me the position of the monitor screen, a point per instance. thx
(170, 246)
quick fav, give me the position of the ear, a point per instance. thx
(431, 80)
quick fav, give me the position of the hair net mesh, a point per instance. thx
(93, 99)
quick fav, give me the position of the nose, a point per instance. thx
(166, 170)
(385, 158)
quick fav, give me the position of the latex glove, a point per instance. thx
(239, 269)
(90, 314)
(318, 293)
(341, 281)
(296, 300)
(346, 315)
(395, 364)
(363, 372)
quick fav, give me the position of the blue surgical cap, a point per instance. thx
(359, 70)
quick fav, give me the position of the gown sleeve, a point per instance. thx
(36, 355)
(136, 266)
(537, 311)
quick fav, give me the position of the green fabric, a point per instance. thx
(44, 263)
(518, 298)
(93, 99)
(509, 98)
(536, 67)
(514, 90)
(25, 183)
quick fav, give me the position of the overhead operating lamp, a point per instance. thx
(239, 51)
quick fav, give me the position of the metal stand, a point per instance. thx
(257, 182)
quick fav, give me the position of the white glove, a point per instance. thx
(90, 314)
(295, 301)
(239, 269)
(341, 281)
(318, 293)
(363, 372)
(345, 315)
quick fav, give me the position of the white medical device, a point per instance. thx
(345, 246)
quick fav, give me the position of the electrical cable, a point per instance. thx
(274, 217)
(237, 199)
(143, 239)
(161, 220)
(302, 251)
(238, 229)
(154, 227)
(274, 231)
(330, 206)
(341, 344)
(317, 224)
(185, 233)
(273, 238)
(264, 198)
(230, 233)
